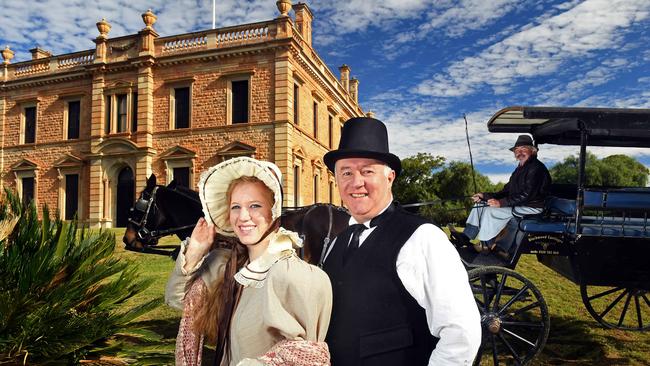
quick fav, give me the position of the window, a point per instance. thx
(27, 184)
(315, 119)
(71, 195)
(330, 128)
(29, 125)
(316, 178)
(121, 113)
(296, 104)
(134, 113)
(109, 101)
(73, 119)
(181, 107)
(296, 185)
(182, 176)
(239, 91)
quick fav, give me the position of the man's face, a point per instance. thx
(364, 186)
(522, 154)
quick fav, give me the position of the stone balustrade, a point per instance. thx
(31, 68)
(215, 38)
(185, 44)
(76, 59)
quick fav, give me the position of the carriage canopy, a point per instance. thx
(564, 126)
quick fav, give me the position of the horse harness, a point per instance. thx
(144, 206)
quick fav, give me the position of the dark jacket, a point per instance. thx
(528, 186)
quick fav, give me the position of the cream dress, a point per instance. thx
(284, 298)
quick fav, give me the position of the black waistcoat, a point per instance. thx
(375, 321)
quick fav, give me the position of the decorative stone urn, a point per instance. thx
(149, 18)
(7, 55)
(103, 27)
(284, 6)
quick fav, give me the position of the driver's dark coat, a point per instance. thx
(528, 186)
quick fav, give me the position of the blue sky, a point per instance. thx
(422, 64)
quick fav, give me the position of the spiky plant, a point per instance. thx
(61, 288)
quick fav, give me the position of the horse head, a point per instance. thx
(317, 225)
(160, 211)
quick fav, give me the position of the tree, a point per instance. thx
(62, 290)
(612, 171)
(446, 186)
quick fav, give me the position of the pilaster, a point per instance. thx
(96, 193)
(283, 158)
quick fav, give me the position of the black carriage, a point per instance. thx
(597, 237)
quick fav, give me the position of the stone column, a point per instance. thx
(283, 158)
(345, 77)
(2, 140)
(304, 18)
(95, 194)
(354, 90)
(100, 51)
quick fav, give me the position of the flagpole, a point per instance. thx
(214, 14)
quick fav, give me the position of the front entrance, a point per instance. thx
(125, 196)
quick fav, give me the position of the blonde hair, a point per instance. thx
(214, 313)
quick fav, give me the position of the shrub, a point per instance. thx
(61, 288)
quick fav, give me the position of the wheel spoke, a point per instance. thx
(513, 299)
(495, 354)
(504, 278)
(526, 308)
(611, 306)
(523, 324)
(486, 302)
(627, 304)
(645, 299)
(638, 311)
(605, 293)
(512, 350)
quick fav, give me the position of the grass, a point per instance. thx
(575, 338)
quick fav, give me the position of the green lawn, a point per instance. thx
(575, 338)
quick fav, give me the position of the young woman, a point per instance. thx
(258, 302)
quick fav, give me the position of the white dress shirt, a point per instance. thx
(431, 271)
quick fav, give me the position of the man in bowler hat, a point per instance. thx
(524, 194)
(401, 293)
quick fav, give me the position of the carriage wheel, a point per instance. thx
(514, 316)
(626, 308)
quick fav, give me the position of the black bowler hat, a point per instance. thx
(523, 140)
(363, 137)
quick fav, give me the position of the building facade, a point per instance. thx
(81, 132)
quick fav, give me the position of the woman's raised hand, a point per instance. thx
(200, 243)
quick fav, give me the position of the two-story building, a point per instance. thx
(81, 132)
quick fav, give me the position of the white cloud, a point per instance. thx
(542, 49)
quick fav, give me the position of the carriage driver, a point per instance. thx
(401, 294)
(524, 194)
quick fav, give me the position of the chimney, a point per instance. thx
(345, 77)
(39, 53)
(354, 90)
(304, 17)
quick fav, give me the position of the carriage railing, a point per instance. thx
(616, 212)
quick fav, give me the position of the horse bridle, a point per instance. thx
(144, 206)
(327, 239)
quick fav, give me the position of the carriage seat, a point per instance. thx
(555, 218)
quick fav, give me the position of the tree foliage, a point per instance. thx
(445, 186)
(612, 171)
(61, 289)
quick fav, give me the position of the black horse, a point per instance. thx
(173, 209)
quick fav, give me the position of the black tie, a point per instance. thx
(357, 229)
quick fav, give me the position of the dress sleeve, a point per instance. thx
(298, 301)
(209, 269)
(189, 345)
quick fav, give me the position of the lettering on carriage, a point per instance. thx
(545, 241)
